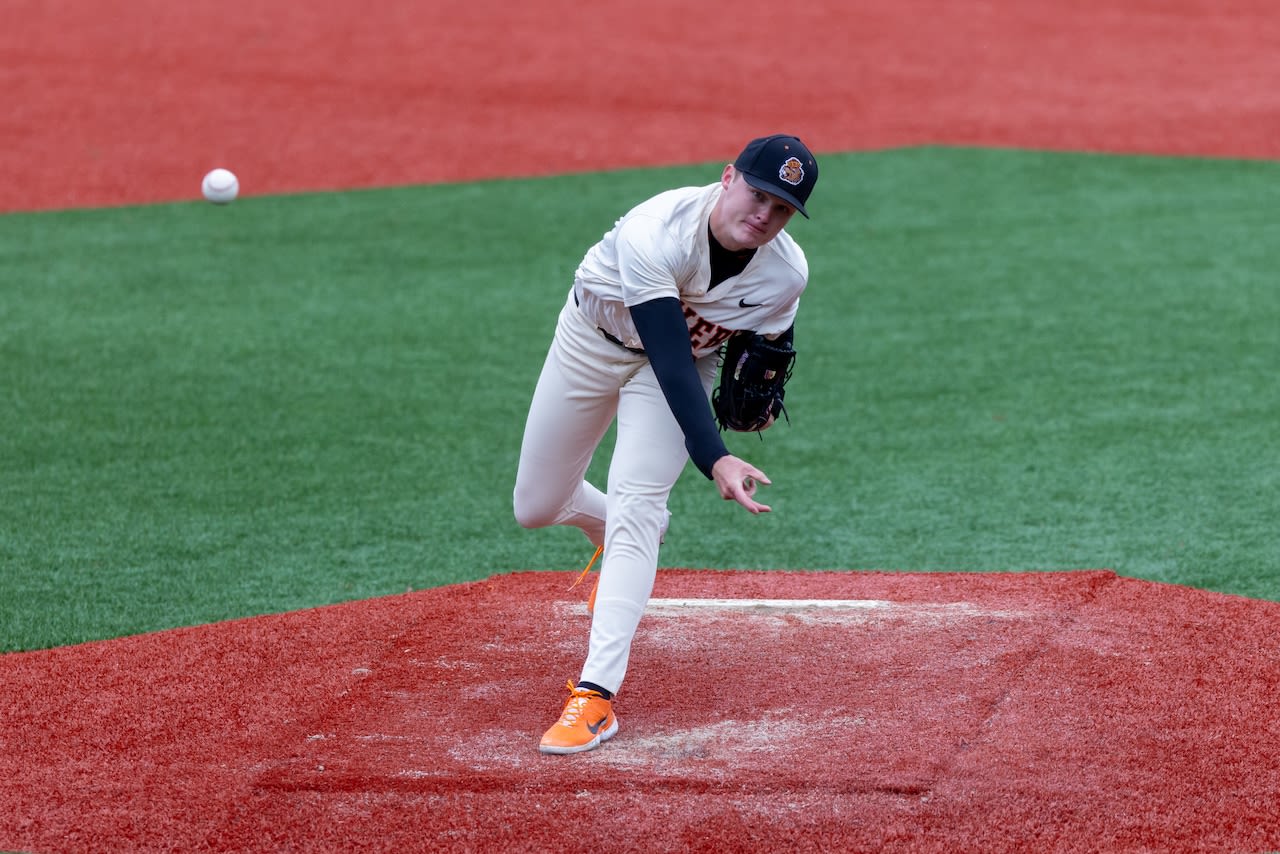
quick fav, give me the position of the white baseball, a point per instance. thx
(220, 186)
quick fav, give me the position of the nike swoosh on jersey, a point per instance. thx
(744, 304)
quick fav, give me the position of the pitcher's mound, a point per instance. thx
(762, 710)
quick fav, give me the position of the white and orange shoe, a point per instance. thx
(586, 722)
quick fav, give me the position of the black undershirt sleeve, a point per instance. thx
(665, 337)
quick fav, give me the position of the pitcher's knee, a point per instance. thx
(533, 514)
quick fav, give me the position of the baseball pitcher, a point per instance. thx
(690, 297)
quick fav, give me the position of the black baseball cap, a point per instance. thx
(782, 165)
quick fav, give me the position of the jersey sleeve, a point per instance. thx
(662, 329)
(650, 261)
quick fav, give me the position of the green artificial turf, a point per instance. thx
(1008, 361)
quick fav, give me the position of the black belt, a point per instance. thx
(615, 340)
(612, 338)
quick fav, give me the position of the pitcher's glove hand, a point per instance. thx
(753, 378)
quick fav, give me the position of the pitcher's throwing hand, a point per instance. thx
(737, 481)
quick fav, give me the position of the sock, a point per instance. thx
(591, 686)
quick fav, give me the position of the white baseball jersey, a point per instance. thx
(659, 249)
(662, 246)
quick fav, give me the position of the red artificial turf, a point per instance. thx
(110, 103)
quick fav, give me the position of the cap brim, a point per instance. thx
(774, 190)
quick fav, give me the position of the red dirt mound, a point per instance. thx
(1060, 711)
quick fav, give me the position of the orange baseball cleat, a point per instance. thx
(586, 722)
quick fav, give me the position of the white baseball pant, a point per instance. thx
(586, 382)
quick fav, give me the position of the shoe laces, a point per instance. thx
(587, 568)
(577, 704)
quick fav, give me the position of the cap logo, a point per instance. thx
(791, 171)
